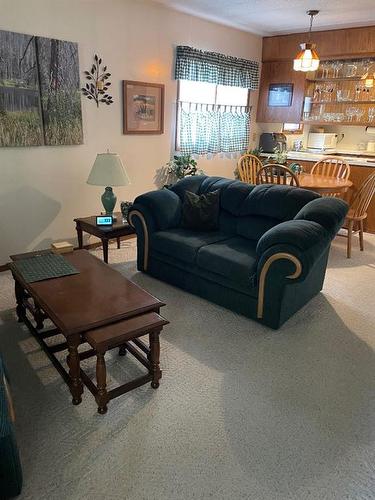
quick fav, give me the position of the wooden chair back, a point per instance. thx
(248, 166)
(362, 198)
(332, 166)
(276, 174)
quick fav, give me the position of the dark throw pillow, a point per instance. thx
(201, 213)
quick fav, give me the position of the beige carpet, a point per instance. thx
(242, 412)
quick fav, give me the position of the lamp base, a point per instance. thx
(109, 200)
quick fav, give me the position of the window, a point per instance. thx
(212, 118)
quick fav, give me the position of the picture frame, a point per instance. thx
(143, 107)
(280, 94)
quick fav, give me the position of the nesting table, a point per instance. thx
(100, 307)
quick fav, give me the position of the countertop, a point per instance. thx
(361, 158)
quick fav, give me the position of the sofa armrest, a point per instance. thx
(164, 206)
(153, 211)
(289, 251)
(329, 212)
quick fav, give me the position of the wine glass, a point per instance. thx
(359, 113)
(371, 114)
(358, 88)
(337, 65)
(350, 112)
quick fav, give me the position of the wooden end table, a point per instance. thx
(105, 233)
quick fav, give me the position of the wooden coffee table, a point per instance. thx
(105, 233)
(96, 297)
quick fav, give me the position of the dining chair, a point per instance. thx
(332, 166)
(357, 212)
(248, 166)
(276, 174)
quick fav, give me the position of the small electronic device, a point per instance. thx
(104, 220)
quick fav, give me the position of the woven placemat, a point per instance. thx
(43, 267)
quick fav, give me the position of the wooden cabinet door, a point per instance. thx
(281, 72)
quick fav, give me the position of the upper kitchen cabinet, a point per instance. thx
(281, 93)
(279, 78)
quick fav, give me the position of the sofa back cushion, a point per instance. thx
(246, 209)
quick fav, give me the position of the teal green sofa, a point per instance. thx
(267, 259)
(10, 466)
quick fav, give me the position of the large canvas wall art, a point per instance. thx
(40, 101)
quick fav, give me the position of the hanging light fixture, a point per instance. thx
(307, 59)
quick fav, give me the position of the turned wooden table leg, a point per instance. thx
(20, 295)
(39, 318)
(101, 380)
(154, 358)
(75, 386)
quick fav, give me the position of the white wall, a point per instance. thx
(43, 188)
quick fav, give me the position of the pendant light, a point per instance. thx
(307, 59)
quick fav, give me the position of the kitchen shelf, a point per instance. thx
(344, 102)
(353, 123)
(341, 79)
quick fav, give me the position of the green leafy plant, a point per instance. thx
(279, 157)
(182, 166)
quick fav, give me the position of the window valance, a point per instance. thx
(212, 67)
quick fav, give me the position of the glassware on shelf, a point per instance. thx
(343, 95)
(350, 112)
(351, 70)
(325, 67)
(359, 113)
(371, 114)
(358, 89)
(336, 66)
(328, 91)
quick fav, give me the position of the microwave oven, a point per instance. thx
(322, 141)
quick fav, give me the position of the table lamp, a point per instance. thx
(108, 171)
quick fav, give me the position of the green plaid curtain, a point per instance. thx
(213, 129)
(212, 67)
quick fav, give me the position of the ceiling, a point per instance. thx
(273, 17)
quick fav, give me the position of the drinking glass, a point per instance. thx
(359, 113)
(350, 112)
(371, 114)
(337, 65)
(343, 95)
(358, 89)
(351, 70)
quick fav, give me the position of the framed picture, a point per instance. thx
(280, 94)
(143, 107)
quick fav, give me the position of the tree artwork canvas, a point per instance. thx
(40, 101)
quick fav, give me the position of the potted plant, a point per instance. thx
(182, 166)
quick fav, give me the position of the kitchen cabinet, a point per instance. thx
(280, 73)
(331, 44)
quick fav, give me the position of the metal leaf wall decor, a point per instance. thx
(98, 84)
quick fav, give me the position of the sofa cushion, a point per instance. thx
(276, 201)
(254, 226)
(201, 212)
(183, 244)
(234, 258)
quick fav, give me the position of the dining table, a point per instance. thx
(324, 184)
